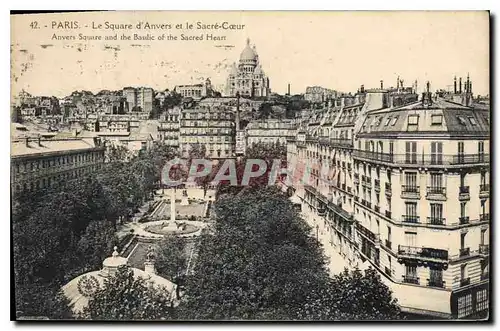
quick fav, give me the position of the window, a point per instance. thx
(436, 277)
(377, 121)
(436, 119)
(437, 214)
(394, 120)
(437, 182)
(411, 214)
(388, 121)
(410, 181)
(411, 152)
(461, 120)
(413, 120)
(482, 300)
(472, 120)
(460, 149)
(436, 153)
(464, 305)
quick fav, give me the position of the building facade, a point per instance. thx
(196, 91)
(248, 78)
(169, 127)
(212, 127)
(139, 99)
(269, 131)
(38, 164)
(404, 189)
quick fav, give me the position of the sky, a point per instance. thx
(337, 50)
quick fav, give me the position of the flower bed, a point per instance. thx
(158, 229)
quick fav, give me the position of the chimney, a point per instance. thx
(362, 89)
(427, 95)
(237, 111)
(381, 84)
(39, 142)
(27, 141)
(455, 85)
(288, 88)
(460, 85)
(397, 84)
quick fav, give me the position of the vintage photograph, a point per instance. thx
(250, 166)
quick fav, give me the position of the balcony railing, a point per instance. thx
(423, 252)
(423, 159)
(388, 189)
(339, 142)
(411, 219)
(435, 283)
(464, 189)
(432, 190)
(484, 188)
(411, 279)
(484, 217)
(465, 281)
(410, 189)
(484, 249)
(463, 220)
(464, 252)
(436, 220)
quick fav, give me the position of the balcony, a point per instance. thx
(411, 219)
(417, 160)
(436, 193)
(411, 279)
(464, 281)
(388, 244)
(340, 142)
(484, 217)
(388, 214)
(463, 193)
(388, 189)
(464, 252)
(435, 283)
(436, 220)
(423, 253)
(484, 250)
(377, 185)
(463, 220)
(484, 191)
(410, 192)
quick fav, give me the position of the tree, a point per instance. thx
(126, 297)
(352, 295)
(171, 258)
(260, 263)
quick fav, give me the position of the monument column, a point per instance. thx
(172, 206)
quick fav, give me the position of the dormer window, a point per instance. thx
(461, 120)
(437, 119)
(472, 120)
(388, 121)
(413, 120)
(377, 121)
(394, 120)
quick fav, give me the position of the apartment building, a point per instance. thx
(37, 164)
(403, 186)
(169, 126)
(213, 127)
(270, 131)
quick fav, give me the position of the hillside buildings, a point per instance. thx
(196, 91)
(401, 183)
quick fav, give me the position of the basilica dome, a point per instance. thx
(248, 54)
